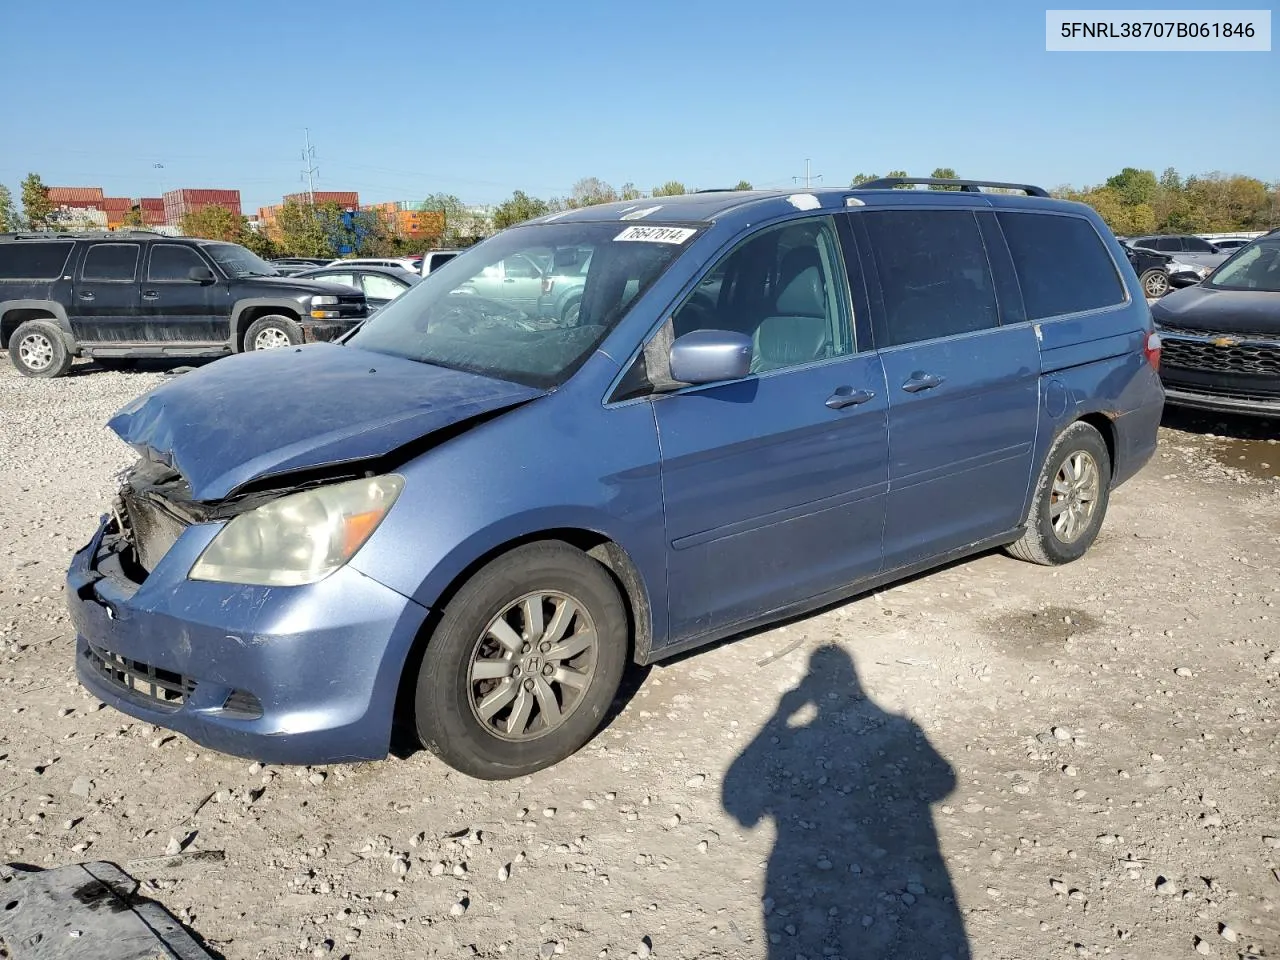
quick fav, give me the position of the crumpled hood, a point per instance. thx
(1220, 311)
(271, 412)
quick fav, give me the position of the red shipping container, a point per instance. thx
(343, 198)
(115, 204)
(152, 203)
(75, 195)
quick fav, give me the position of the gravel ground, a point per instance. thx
(996, 760)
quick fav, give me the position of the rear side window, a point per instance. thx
(35, 260)
(172, 262)
(934, 275)
(1168, 244)
(110, 261)
(1062, 264)
(1196, 245)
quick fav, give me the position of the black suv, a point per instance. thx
(123, 296)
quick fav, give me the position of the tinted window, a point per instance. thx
(934, 276)
(35, 260)
(1168, 244)
(1062, 264)
(378, 287)
(784, 288)
(1196, 245)
(172, 262)
(110, 261)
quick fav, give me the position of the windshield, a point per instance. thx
(504, 309)
(236, 261)
(1255, 267)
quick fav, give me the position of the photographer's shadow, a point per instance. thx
(856, 871)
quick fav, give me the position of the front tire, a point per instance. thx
(1070, 499)
(38, 350)
(524, 663)
(271, 332)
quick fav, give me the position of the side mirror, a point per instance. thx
(201, 275)
(710, 356)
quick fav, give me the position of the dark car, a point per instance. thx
(124, 296)
(474, 517)
(1152, 269)
(1222, 337)
(381, 285)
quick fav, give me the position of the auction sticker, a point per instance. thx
(657, 234)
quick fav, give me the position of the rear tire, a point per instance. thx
(1070, 500)
(540, 627)
(1155, 283)
(271, 332)
(38, 349)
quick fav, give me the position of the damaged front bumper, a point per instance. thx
(279, 674)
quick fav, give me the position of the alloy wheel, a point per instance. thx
(271, 338)
(1074, 496)
(36, 351)
(532, 665)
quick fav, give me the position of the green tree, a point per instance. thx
(860, 178)
(1169, 180)
(590, 191)
(301, 231)
(672, 188)
(900, 173)
(132, 220)
(629, 191)
(1134, 186)
(743, 185)
(457, 221)
(259, 243)
(213, 222)
(517, 209)
(37, 208)
(9, 219)
(943, 173)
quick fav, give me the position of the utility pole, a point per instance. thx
(309, 168)
(808, 177)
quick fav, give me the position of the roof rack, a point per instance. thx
(966, 186)
(80, 235)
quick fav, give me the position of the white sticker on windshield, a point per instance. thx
(640, 214)
(657, 234)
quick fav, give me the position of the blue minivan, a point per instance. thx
(472, 516)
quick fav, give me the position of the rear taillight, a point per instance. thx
(1152, 350)
(547, 285)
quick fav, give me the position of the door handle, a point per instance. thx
(849, 397)
(922, 381)
(150, 295)
(86, 296)
(509, 280)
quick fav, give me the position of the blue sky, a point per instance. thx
(478, 99)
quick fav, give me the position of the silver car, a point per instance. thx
(1183, 248)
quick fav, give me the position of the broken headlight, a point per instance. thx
(300, 538)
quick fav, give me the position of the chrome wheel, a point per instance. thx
(531, 667)
(1156, 284)
(36, 351)
(270, 338)
(572, 312)
(1074, 496)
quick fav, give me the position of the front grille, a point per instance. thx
(163, 688)
(1255, 357)
(152, 530)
